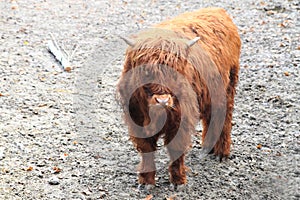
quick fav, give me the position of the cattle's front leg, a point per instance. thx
(177, 144)
(146, 169)
(177, 169)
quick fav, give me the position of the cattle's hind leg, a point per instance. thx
(222, 148)
(221, 137)
(216, 135)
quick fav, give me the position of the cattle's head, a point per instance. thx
(158, 96)
(157, 79)
(162, 54)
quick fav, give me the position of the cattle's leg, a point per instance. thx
(222, 147)
(216, 135)
(146, 170)
(221, 137)
(177, 146)
(206, 145)
(177, 167)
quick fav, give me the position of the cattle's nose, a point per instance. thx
(162, 100)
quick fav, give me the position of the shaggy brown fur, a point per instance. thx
(199, 81)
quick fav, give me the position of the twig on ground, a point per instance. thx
(60, 55)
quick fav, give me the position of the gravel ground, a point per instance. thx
(62, 135)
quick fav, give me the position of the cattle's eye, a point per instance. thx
(148, 92)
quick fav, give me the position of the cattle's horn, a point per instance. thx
(128, 41)
(192, 42)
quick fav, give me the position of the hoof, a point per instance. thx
(172, 187)
(147, 187)
(140, 187)
(222, 157)
(206, 150)
(178, 188)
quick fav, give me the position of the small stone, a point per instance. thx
(40, 175)
(252, 117)
(259, 146)
(41, 163)
(30, 168)
(286, 73)
(14, 7)
(102, 194)
(278, 154)
(2, 156)
(53, 181)
(124, 195)
(86, 192)
(68, 69)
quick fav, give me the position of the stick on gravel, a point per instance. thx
(62, 57)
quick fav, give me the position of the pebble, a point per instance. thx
(124, 195)
(2, 156)
(53, 180)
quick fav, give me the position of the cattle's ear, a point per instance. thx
(127, 40)
(192, 42)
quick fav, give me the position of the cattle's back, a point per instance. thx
(218, 35)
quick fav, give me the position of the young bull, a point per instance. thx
(183, 70)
